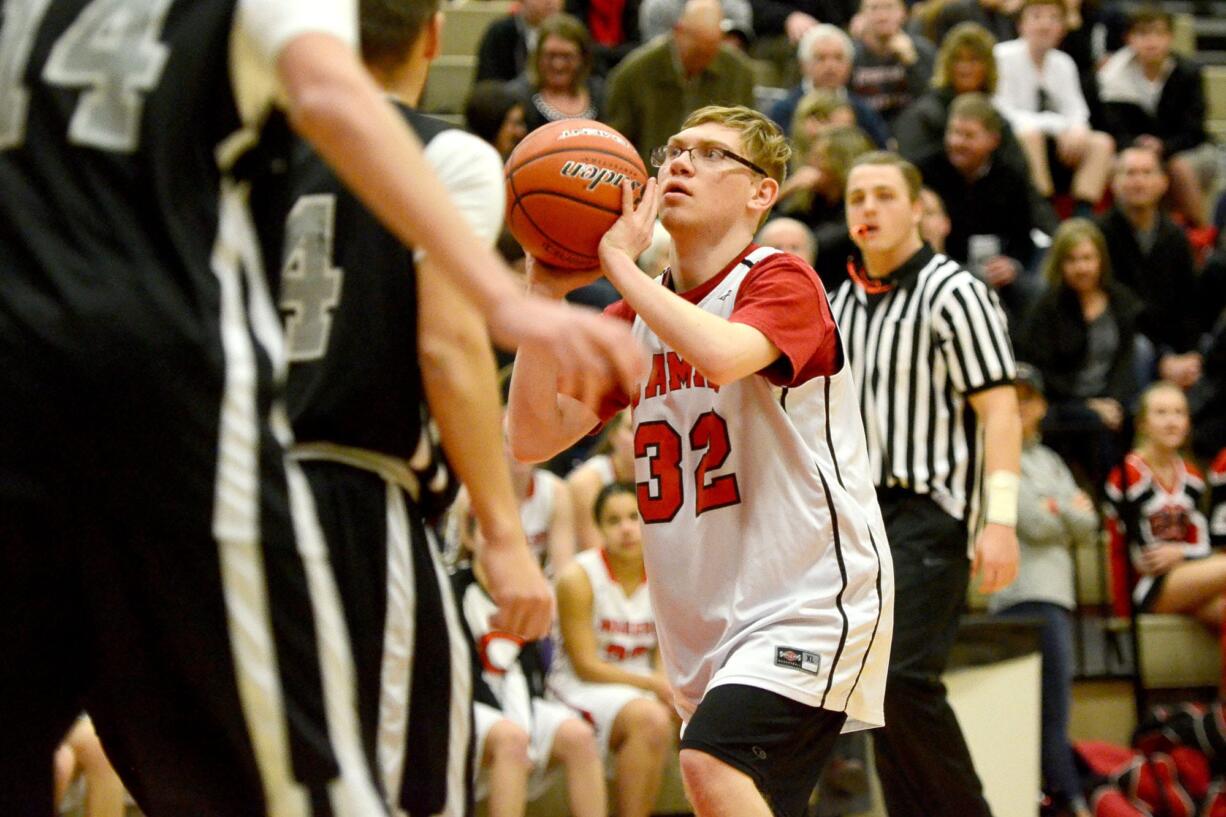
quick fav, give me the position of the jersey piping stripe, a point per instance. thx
(838, 599)
(460, 731)
(876, 624)
(397, 666)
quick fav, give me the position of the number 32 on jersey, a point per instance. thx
(662, 496)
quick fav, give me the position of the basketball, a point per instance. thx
(564, 189)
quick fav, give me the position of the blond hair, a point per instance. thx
(966, 37)
(820, 103)
(1071, 233)
(1143, 410)
(764, 144)
(910, 173)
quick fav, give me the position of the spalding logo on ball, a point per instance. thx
(564, 189)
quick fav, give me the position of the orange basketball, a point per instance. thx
(564, 189)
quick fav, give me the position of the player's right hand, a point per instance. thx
(516, 584)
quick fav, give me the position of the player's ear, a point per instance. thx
(434, 36)
(765, 194)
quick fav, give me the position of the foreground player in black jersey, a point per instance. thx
(358, 305)
(162, 566)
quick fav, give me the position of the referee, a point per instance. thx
(931, 359)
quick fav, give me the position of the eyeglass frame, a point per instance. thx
(659, 159)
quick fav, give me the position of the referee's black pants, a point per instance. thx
(922, 759)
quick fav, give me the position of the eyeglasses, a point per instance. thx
(705, 156)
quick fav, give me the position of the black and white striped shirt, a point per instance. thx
(918, 352)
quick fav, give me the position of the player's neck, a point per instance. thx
(697, 259)
(628, 572)
(406, 82)
(882, 263)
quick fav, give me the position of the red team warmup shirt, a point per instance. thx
(761, 527)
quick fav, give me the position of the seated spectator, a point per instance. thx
(825, 53)
(608, 664)
(995, 16)
(789, 235)
(1094, 29)
(934, 224)
(519, 734)
(813, 194)
(1039, 92)
(891, 68)
(656, 18)
(559, 83)
(506, 44)
(614, 26)
(1080, 334)
(1155, 521)
(819, 110)
(662, 81)
(1053, 517)
(1150, 254)
(612, 462)
(81, 754)
(989, 232)
(496, 115)
(1155, 98)
(780, 25)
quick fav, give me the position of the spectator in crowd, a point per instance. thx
(818, 111)
(1053, 517)
(656, 17)
(989, 232)
(496, 115)
(814, 195)
(612, 462)
(608, 664)
(1154, 98)
(790, 235)
(519, 734)
(1039, 92)
(81, 754)
(506, 44)
(662, 81)
(1155, 519)
(825, 53)
(891, 68)
(614, 26)
(559, 83)
(1093, 31)
(1150, 254)
(995, 16)
(934, 223)
(1080, 334)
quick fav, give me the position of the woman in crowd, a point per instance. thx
(496, 115)
(559, 83)
(1053, 517)
(613, 462)
(608, 665)
(1081, 335)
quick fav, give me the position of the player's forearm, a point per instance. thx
(722, 350)
(461, 385)
(595, 671)
(337, 107)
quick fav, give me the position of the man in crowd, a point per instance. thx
(891, 68)
(506, 44)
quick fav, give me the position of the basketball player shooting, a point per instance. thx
(772, 581)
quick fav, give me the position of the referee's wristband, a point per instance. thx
(1002, 488)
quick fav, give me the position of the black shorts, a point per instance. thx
(411, 651)
(152, 571)
(782, 744)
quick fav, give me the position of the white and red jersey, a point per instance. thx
(624, 625)
(1217, 499)
(1161, 513)
(536, 512)
(762, 535)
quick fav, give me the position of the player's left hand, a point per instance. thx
(631, 234)
(517, 586)
(996, 558)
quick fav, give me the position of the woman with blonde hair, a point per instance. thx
(1081, 335)
(559, 83)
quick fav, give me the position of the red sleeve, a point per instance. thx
(783, 299)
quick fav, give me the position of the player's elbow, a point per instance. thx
(325, 106)
(528, 447)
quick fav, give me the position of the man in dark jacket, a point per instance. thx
(1155, 98)
(506, 44)
(1151, 255)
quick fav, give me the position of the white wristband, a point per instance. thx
(1002, 488)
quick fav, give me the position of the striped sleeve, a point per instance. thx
(973, 335)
